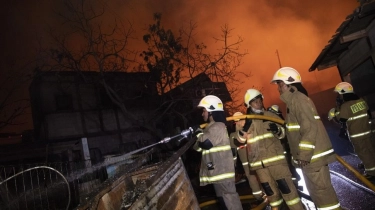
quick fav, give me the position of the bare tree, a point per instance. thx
(102, 48)
(171, 60)
(13, 102)
(176, 59)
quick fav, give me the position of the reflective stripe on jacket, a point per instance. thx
(357, 118)
(264, 147)
(308, 139)
(217, 163)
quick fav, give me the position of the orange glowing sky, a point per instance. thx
(299, 30)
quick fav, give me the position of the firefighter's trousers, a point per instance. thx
(318, 183)
(278, 185)
(227, 192)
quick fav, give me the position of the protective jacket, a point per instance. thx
(264, 148)
(308, 139)
(359, 131)
(217, 162)
(266, 157)
(355, 112)
(251, 177)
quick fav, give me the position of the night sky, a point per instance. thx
(299, 30)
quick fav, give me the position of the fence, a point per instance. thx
(66, 185)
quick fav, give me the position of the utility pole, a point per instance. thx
(278, 57)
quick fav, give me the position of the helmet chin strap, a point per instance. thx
(257, 111)
(208, 117)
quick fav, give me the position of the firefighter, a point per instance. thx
(355, 113)
(309, 143)
(284, 141)
(241, 151)
(266, 154)
(217, 166)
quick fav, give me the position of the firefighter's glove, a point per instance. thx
(274, 128)
(197, 130)
(195, 127)
(206, 144)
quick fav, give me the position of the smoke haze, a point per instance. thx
(299, 30)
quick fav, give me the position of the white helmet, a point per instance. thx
(275, 108)
(344, 87)
(288, 75)
(250, 95)
(237, 114)
(211, 103)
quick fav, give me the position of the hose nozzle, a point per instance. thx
(187, 132)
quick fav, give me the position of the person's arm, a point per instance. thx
(309, 127)
(277, 129)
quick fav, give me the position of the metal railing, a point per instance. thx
(32, 188)
(64, 185)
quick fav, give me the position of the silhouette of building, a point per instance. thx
(351, 49)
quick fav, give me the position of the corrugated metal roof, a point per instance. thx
(355, 22)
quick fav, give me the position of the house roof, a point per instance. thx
(353, 27)
(192, 88)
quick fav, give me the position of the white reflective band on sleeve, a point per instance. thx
(217, 149)
(322, 154)
(296, 126)
(276, 203)
(293, 201)
(199, 134)
(292, 126)
(370, 169)
(217, 177)
(245, 163)
(357, 117)
(330, 207)
(258, 192)
(234, 158)
(199, 149)
(260, 137)
(268, 160)
(360, 134)
(309, 146)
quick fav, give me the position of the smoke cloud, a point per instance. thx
(299, 30)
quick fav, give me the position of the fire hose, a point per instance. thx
(190, 130)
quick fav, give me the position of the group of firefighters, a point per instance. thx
(257, 142)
